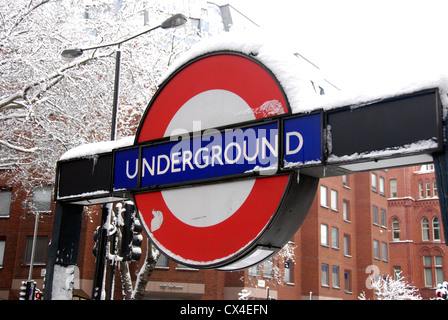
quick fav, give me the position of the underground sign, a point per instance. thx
(197, 119)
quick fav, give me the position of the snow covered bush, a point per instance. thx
(388, 288)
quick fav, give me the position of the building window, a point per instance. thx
(382, 186)
(375, 215)
(428, 189)
(376, 249)
(427, 267)
(184, 267)
(425, 229)
(334, 237)
(434, 189)
(324, 274)
(397, 272)
(40, 250)
(393, 188)
(345, 211)
(254, 270)
(324, 234)
(2, 251)
(288, 272)
(345, 181)
(438, 269)
(268, 268)
(433, 270)
(42, 199)
(335, 276)
(436, 228)
(374, 183)
(395, 230)
(383, 218)
(323, 196)
(347, 246)
(384, 251)
(162, 261)
(334, 200)
(347, 281)
(420, 190)
(5, 203)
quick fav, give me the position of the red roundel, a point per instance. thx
(209, 225)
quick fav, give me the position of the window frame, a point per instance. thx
(8, 197)
(324, 196)
(39, 205)
(324, 235)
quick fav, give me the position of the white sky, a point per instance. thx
(358, 43)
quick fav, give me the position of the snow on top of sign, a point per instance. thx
(393, 86)
(287, 67)
(89, 149)
(406, 149)
(301, 80)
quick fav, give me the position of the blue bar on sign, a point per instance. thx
(302, 140)
(218, 154)
(126, 169)
(213, 155)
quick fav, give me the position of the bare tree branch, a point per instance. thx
(52, 79)
(27, 13)
(17, 148)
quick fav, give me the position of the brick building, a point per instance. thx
(417, 243)
(349, 217)
(376, 223)
(370, 223)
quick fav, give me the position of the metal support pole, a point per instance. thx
(116, 89)
(33, 250)
(63, 248)
(98, 279)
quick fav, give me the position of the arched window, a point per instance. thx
(395, 230)
(436, 229)
(425, 229)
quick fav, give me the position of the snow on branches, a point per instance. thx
(48, 105)
(388, 288)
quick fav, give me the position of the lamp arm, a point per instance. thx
(120, 42)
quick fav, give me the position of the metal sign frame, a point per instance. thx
(98, 171)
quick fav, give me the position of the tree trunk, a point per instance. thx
(152, 254)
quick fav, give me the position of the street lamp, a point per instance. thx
(69, 54)
(173, 22)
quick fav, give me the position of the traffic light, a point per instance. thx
(27, 290)
(131, 240)
(37, 294)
